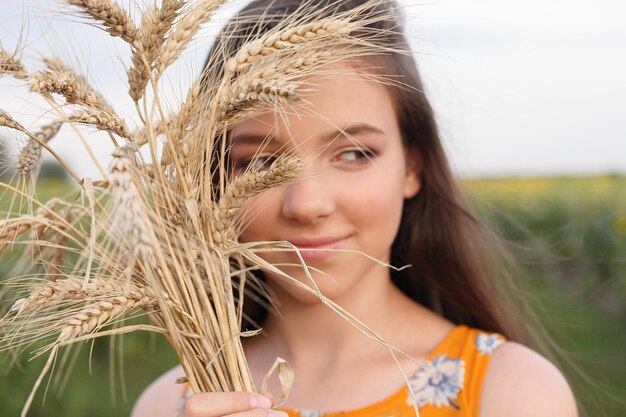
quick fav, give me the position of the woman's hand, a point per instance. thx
(230, 404)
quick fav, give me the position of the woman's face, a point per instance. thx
(349, 195)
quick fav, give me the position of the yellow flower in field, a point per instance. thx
(620, 224)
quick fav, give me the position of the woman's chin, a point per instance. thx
(286, 288)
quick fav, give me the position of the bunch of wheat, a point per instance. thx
(161, 236)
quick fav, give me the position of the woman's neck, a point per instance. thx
(327, 353)
(314, 339)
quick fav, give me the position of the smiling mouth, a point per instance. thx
(316, 248)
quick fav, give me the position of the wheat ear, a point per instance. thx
(64, 81)
(28, 160)
(188, 109)
(9, 64)
(11, 229)
(273, 81)
(7, 120)
(184, 31)
(155, 25)
(246, 186)
(129, 218)
(75, 289)
(102, 120)
(245, 95)
(175, 128)
(101, 313)
(115, 20)
(287, 38)
(84, 89)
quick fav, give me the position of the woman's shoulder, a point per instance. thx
(491, 376)
(161, 397)
(521, 382)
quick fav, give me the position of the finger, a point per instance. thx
(259, 412)
(268, 395)
(217, 404)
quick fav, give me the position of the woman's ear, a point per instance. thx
(414, 165)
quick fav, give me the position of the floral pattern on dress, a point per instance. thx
(181, 402)
(310, 413)
(438, 383)
(486, 344)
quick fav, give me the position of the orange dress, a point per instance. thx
(452, 388)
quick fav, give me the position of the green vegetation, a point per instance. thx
(568, 234)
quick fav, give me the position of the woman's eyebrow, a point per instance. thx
(252, 139)
(354, 130)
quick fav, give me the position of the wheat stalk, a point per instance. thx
(115, 20)
(7, 120)
(55, 254)
(55, 257)
(143, 135)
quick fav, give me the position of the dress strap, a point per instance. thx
(477, 351)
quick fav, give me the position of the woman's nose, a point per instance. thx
(309, 198)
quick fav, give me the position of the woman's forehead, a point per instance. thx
(352, 132)
(328, 104)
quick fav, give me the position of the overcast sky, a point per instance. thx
(520, 88)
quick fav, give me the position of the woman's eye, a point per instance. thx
(356, 155)
(259, 163)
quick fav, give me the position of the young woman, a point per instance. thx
(375, 180)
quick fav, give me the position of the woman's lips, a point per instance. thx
(308, 246)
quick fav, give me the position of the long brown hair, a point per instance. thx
(454, 271)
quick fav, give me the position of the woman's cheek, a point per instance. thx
(258, 215)
(381, 201)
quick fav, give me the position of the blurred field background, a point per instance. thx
(568, 233)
